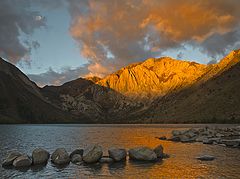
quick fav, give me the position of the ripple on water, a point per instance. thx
(181, 164)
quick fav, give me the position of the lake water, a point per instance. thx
(181, 164)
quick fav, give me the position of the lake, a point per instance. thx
(181, 164)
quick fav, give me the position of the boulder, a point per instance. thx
(174, 138)
(201, 138)
(159, 151)
(76, 158)
(186, 139)
(231, 143)
(22, 161)
(207, 141)
(106, 160)
(176, 132)
(77, 151)
(10, 158)
(166, 155)
(142, 154)
(40, 156)
(117, 154)
(206, 158)
(92, 154)
(60, 157)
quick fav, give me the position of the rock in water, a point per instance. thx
(159, 151)
(106, 160)
(60, 157)
(117, 154)
(40, 156)
(142, 154)
(77, 151)
(22, 161)
(206, 158)
(76, 158)
(10, 158)
(92, 154)
(162, 138)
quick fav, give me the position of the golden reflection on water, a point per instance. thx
(181, 164)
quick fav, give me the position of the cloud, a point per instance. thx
(180, 55)
(112, 34)
(16, 18)
(212, 62)
(52, 77)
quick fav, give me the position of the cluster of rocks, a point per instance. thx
(92, 154)
(228, 137)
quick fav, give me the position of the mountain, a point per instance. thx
(21, 100)
(161, 90)
(214, 98)
(99, 103)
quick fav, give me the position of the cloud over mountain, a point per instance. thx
(114, 33)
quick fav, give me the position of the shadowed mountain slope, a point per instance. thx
(22, 102)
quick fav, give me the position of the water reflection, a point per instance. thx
(181, 164)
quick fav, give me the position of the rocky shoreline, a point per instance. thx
(92, 154)
(226, 137)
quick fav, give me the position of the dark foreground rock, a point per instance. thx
(92, 154)
(10, 158)
(77, 151)
(76, 158)
(142, 154)
(206, 158)
(22, 161)
(60, 157)
(40, 156)
(117, 154)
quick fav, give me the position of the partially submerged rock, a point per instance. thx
(162, 138)
(206, 158)
(40, 156)
(159, 151)
(117, 154)
(142, 154)
(76, 158)
(231, 143)
(10, 158)
(77, 151)
(22, 161)
(92, 154)
(60, 157)
(229, 137)
(106, 160)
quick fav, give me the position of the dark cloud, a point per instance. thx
(221, 43)
(52, 77)
(212, 62)
(16, 18)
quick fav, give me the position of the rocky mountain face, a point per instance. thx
(21, 100)
(214, 98)
(99, 103)
(160, 90)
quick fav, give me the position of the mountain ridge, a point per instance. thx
(157, 90)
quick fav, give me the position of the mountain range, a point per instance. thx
(158, 90)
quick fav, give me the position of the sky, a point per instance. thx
(60, 40)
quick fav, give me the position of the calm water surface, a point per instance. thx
(181, 164)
